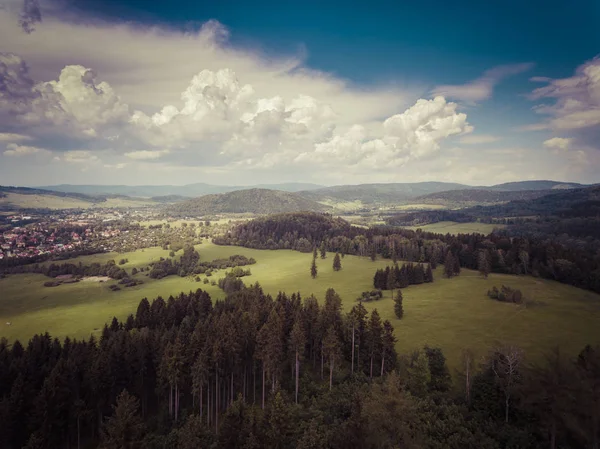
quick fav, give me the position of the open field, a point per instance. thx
(450, 313)
(452, 227)
(22, 201)
(19, 200)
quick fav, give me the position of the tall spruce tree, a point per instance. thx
(483, 263)
(337, 263)
(449, 265)
(323, 250)
(125, 429)
(313, 268)
(398, 307)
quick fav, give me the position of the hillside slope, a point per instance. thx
(188, 190)
(535, 185)
(379, 193)
(256, 201)
(481, 196)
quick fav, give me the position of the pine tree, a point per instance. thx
(331, 346)
(373, 252)
(298, 341)
(125, 429)
(483, 263)
(313, 268)
(374, 342)
(429, 274)
(337, 263)
(323, 250)
(387, 349)
(398, 308)
(315, 252)
(449, 265)
(418, 374)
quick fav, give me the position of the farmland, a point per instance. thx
(450, 313)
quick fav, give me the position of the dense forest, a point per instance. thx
(551, 258)
(254, 371)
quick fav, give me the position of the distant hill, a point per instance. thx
(188, 190)
(380, 193)
(256, 201)
(26, 198)
(570, 203)
(480, 196)
(534, 185)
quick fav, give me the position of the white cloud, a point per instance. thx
(478, 139)
(481, 88)
(117, 166)
(19, 150)
(414, 134)
(576, 99)
(12, 137)
(146, 155)
(558, 142)
(79, 157)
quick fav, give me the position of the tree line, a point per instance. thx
(537, 255)
(189, 264)
(253, 371)
(395, 277)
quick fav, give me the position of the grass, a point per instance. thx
(452, 227)
(21, 201)
(450, 313)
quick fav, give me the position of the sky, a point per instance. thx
(241, 93)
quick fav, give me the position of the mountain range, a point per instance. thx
(367, 193)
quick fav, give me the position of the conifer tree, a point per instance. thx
(418, 374)
(483, 263)
(388, 342)
(428, 274)
(449, 265)
(331, 346)
(374, 342)
(398, 308)
(298, 341)
(337, 263)
(125, 429)
(315, 252)
(313, 268)
(323, 250)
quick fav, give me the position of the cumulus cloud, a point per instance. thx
(30, 15)
(203, 104)
(76, 102)
(13, 149)
(146, 154)
(13, 137)
(478, 139)
(481, 88)
(414, 134)
(79, 157)
(558, 142)
(576, 99)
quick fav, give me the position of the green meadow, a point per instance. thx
(450, 313)
(452, 227)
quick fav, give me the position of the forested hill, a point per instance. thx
(482, 196)
(572, 203)
(256, 201)
(380, 193)
(535, 185)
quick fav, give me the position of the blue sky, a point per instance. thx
(376, 91)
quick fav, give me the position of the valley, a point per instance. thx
(452, 314)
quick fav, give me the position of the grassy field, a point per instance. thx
(452, 227)
(450, 313)
(21, 201)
